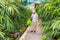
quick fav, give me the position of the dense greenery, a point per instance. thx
(50, 15)
(13, 16)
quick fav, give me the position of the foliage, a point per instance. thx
(13, 16)
(29, 22)
(50, 15)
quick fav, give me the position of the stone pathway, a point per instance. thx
(31, 35)
(34, 36)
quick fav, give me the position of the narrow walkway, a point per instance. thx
(31, 35)
(34, 36)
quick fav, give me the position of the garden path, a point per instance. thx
(31, 35)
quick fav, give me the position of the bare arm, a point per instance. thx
(38, 18)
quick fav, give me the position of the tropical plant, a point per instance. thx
(50, 15)
(13, 16)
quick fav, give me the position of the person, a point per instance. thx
(34, 18)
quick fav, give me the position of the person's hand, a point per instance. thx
(38, 20)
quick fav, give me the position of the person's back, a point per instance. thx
(34, 18)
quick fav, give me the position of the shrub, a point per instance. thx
(50, 15)
(13, 16)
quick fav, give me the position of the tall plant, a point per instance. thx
(13, 16)
(50, 15)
